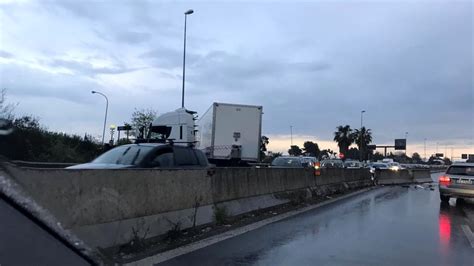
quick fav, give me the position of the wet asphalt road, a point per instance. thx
(387, 226)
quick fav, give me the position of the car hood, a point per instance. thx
(99, 166)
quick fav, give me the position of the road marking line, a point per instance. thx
(470, 236)
(170, 254)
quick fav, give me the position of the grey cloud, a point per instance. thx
(133, 37)
(90, 10)
(5, 54)
(21, 80)
(164, 57)
(312, 65)
(87, 69)
(229, 71)
(123, 36)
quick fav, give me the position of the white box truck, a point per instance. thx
(230, 133)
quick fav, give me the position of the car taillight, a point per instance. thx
(317, 165)
(317, 169)
(444, 179)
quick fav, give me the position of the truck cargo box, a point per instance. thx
(223, 127)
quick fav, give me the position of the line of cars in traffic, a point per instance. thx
(307, 161)
(166, 155)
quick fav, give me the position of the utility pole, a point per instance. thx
(189, 12)
(362, 143)
(406, 143)
(291, 135)
(106, 109)
(425, 151)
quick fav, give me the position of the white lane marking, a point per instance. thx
(170, 254)
(470, 236)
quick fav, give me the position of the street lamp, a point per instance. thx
(106, 109)
(361, 118)
(291, 135)
(361, 136)
(189, 12)
(425, 149)
(406, 144)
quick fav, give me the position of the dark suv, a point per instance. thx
(148, 155)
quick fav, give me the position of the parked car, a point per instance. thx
(148, 155)
(291, 162)
(332, 163)
(458, 181)
(351, 164)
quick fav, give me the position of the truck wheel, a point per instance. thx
(444, 198)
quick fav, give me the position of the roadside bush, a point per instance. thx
(31, 142)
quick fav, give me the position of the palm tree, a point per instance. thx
(362, 138)
(344, 138)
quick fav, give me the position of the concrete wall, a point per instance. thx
(102, 206)
(421, 175)
(389, 177)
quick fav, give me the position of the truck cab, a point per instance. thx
(177, 125)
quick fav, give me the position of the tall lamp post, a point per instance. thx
(106, 109)
(291, 135)
(361, 135)
(406, 144)
(425, 150)
(189, 12)
(361, 118)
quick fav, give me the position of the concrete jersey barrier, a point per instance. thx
(390, 177)
(104, 207)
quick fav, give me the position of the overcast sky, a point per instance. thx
(312, 65)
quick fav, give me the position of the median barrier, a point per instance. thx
(110, 207)
(421, 175)
(391, 177)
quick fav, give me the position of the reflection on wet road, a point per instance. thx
(387, 226)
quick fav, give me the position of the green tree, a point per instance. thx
(311, 148)
(416, 158)
(353, 153)
(344, 138)
(362, 138)
(29, 141)
(326, 154)
(6, 109)
(142, 119)
(263, 147)
(377, 156)
(295, 150)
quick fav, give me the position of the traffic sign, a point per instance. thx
(127, 127)
(400, 144)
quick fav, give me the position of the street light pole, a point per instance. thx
(425, 149)
(406, 144)
(361, 118)
(189, 12)
(362, 144)
(106, 109)
(291, 135)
